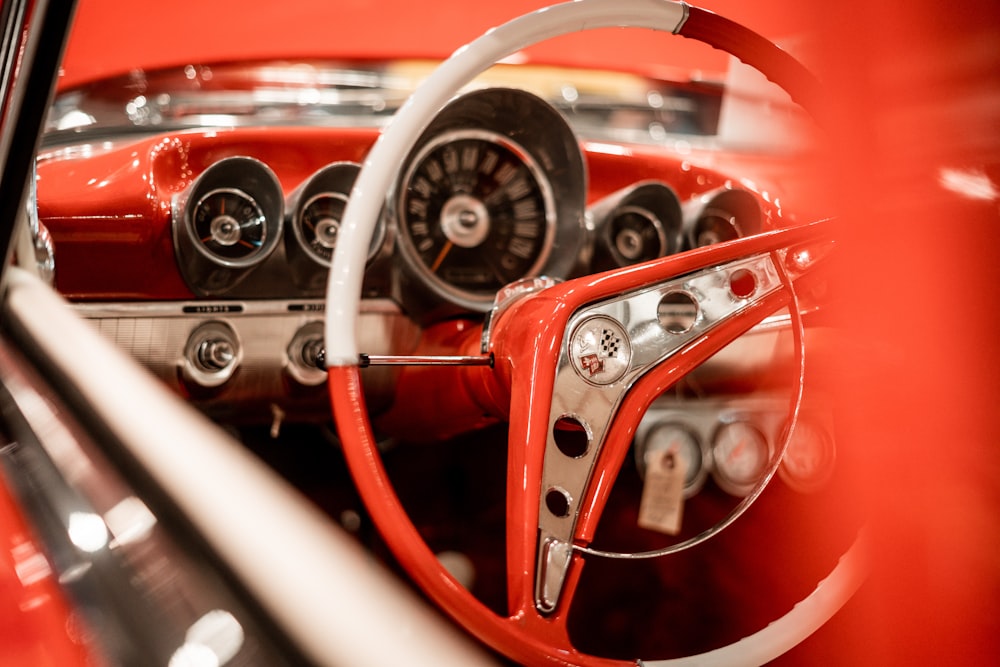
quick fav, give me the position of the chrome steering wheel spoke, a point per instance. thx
(607, 346)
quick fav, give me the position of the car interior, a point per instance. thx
(309, 359)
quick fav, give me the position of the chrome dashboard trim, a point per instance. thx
(221, 307)
(270, 335)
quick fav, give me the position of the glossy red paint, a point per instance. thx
(440, 402)
(37, 625)
(85, 195)
(111, 39)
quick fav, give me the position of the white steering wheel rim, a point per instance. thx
(343, 298)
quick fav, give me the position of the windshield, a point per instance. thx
(600, 105)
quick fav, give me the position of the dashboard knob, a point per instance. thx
(212, 354)
(314, 354)
(306, 355)
(216, 354)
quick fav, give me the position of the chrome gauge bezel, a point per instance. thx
(208, 272)
(649, 440)
(299, 220)
(474, 300)
(539, 137)
(739, 210)
(655, 203)
(809, 432)
(733, 480)
(333, 181)
(251, 179)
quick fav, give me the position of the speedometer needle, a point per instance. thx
(441, 255)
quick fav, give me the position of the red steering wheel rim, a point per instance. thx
(527, 637)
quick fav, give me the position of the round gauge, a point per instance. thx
(475, 215)
(741, 455)
(684, 445)
(230, 224)
(319, 223)
(716, 226)
(636, 235)
(809, 458)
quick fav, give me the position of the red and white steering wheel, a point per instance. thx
(557, 487)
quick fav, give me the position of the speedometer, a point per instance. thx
(491, 187)
(476, 213)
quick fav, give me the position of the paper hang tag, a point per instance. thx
(662, 503)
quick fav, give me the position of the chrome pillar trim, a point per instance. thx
(41, 256)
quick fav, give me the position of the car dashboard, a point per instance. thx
(203, 249)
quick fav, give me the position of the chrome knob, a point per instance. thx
(313, 354)
(307, 355)
(216, 355)
(212, 354)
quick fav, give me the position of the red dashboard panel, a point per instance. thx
(109, 207)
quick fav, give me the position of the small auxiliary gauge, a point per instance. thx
(684, 444)
(319, 223)
(809, 459)
(229, 224)
(740, 454)
(316, 208)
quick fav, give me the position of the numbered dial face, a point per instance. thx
(809, 459)
(474, 215)
(741, 456)
(319, 224)
(637, 236)
(716, 227)
(229, 224)
(683, 444)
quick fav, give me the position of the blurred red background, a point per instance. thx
(917, 98)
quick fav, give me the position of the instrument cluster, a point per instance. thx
(733, 441)
(226, 303)
(494, 191)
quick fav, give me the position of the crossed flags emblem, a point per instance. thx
(594, 363)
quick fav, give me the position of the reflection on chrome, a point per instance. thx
(130, 521)
(212, 641)
(88, 531)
